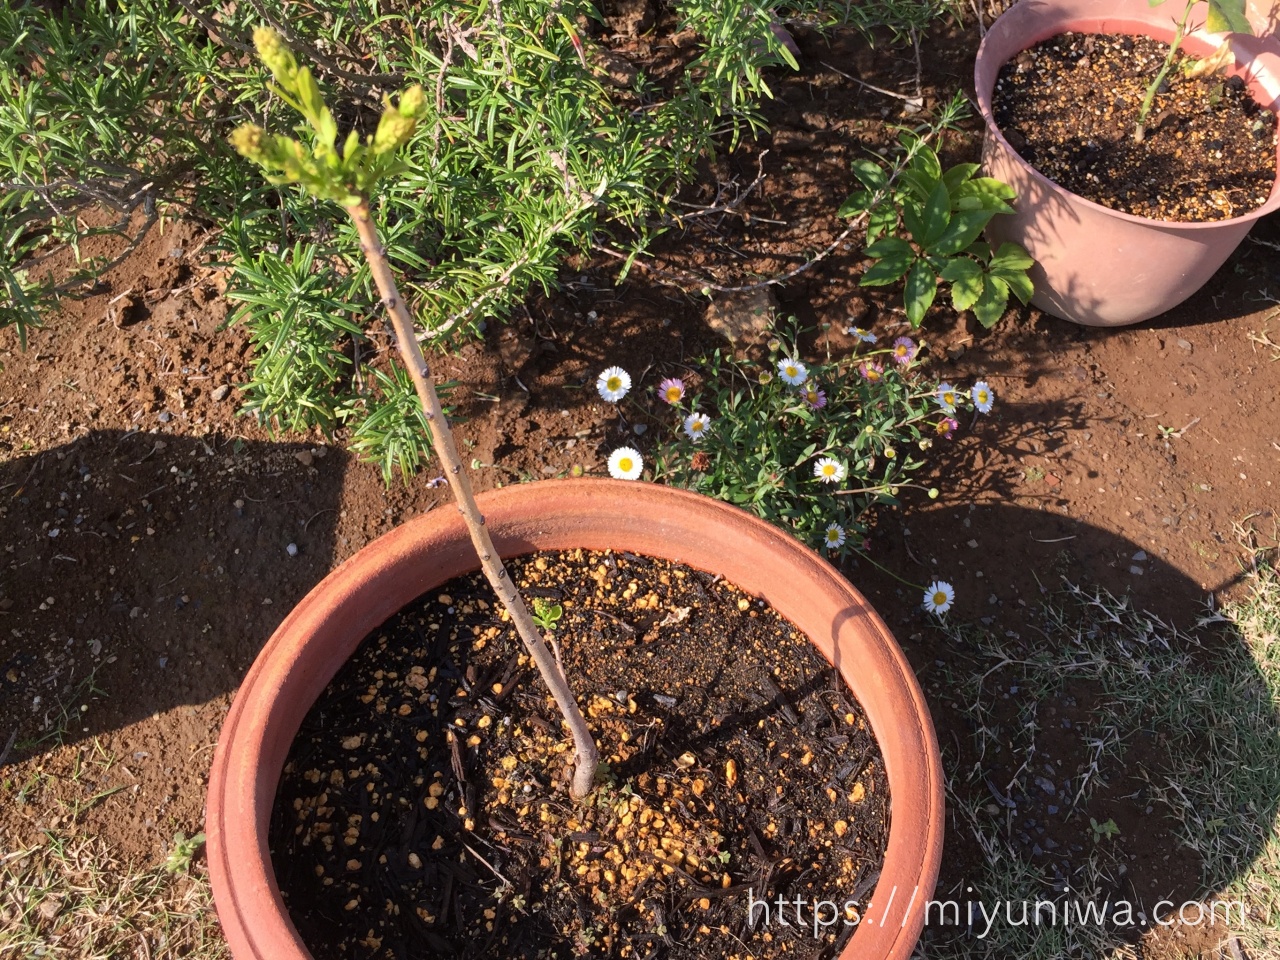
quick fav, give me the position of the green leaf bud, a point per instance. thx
(394, 131)
(413, 102)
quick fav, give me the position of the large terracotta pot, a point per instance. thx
(1094, 265)
(324, 629)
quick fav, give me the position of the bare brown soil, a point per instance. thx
(430, 805)
(146, 526)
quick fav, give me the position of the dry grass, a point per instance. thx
(1223, 789)
(69, 899)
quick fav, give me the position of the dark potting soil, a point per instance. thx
(1069, 106)
(424, 808)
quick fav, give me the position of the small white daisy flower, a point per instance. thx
(983, 396)
(613, 384)
(625, 463)
(695, 426)
(939, 596)
(947, 396)
(834, 536)
(866, 336)
(793, 372)
(829, 470)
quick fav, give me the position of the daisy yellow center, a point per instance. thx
(833, 535)
(900, 351)
(696, 426)
(828, 469)
(939, 598)
(812, 396)
(673, 394)
(625, 464)
(613, 383)
(949, 397)
(983, 396)
(792, 371)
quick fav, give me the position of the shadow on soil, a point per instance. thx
(1050, 732)
(130, 587)
(1094, 754)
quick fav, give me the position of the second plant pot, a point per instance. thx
(1094, 265)
(322, 632)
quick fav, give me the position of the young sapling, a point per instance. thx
(349, 178)
(1224, 16)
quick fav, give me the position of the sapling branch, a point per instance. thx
(446, 451)
(349, 178)
(1179, 31)
(1223, 16)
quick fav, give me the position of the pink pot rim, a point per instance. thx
(1133, 23)
(558, 515)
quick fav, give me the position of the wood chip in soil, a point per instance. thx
(424, 807)
(1069, 107)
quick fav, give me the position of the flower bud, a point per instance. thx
(247, 139)
(278, 58)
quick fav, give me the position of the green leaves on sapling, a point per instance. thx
(923, 227)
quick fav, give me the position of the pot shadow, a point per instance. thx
(1248, 282)
(1084, 742)
(135, 581)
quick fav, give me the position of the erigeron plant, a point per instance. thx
(349, 177)
(815, 447)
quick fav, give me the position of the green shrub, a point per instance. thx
(528, 151)
(923, 225)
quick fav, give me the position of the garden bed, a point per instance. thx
(147, 527)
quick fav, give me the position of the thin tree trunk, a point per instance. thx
(585, 753)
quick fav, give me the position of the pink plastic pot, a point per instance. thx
(324, 629)
(1094, 265)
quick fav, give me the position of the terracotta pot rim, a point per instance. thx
(1155, 32)
(267, 710)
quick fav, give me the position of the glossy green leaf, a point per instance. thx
(990, 305)
(958, 175)
(962, 231)
(1010, 256)
(1227, 16)
(855, 204)
(922, 287)
(913, 219)
(967, 280)
(883, 219)
(937, 215)
(891, 266)
(870, 174)
(889, 247)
